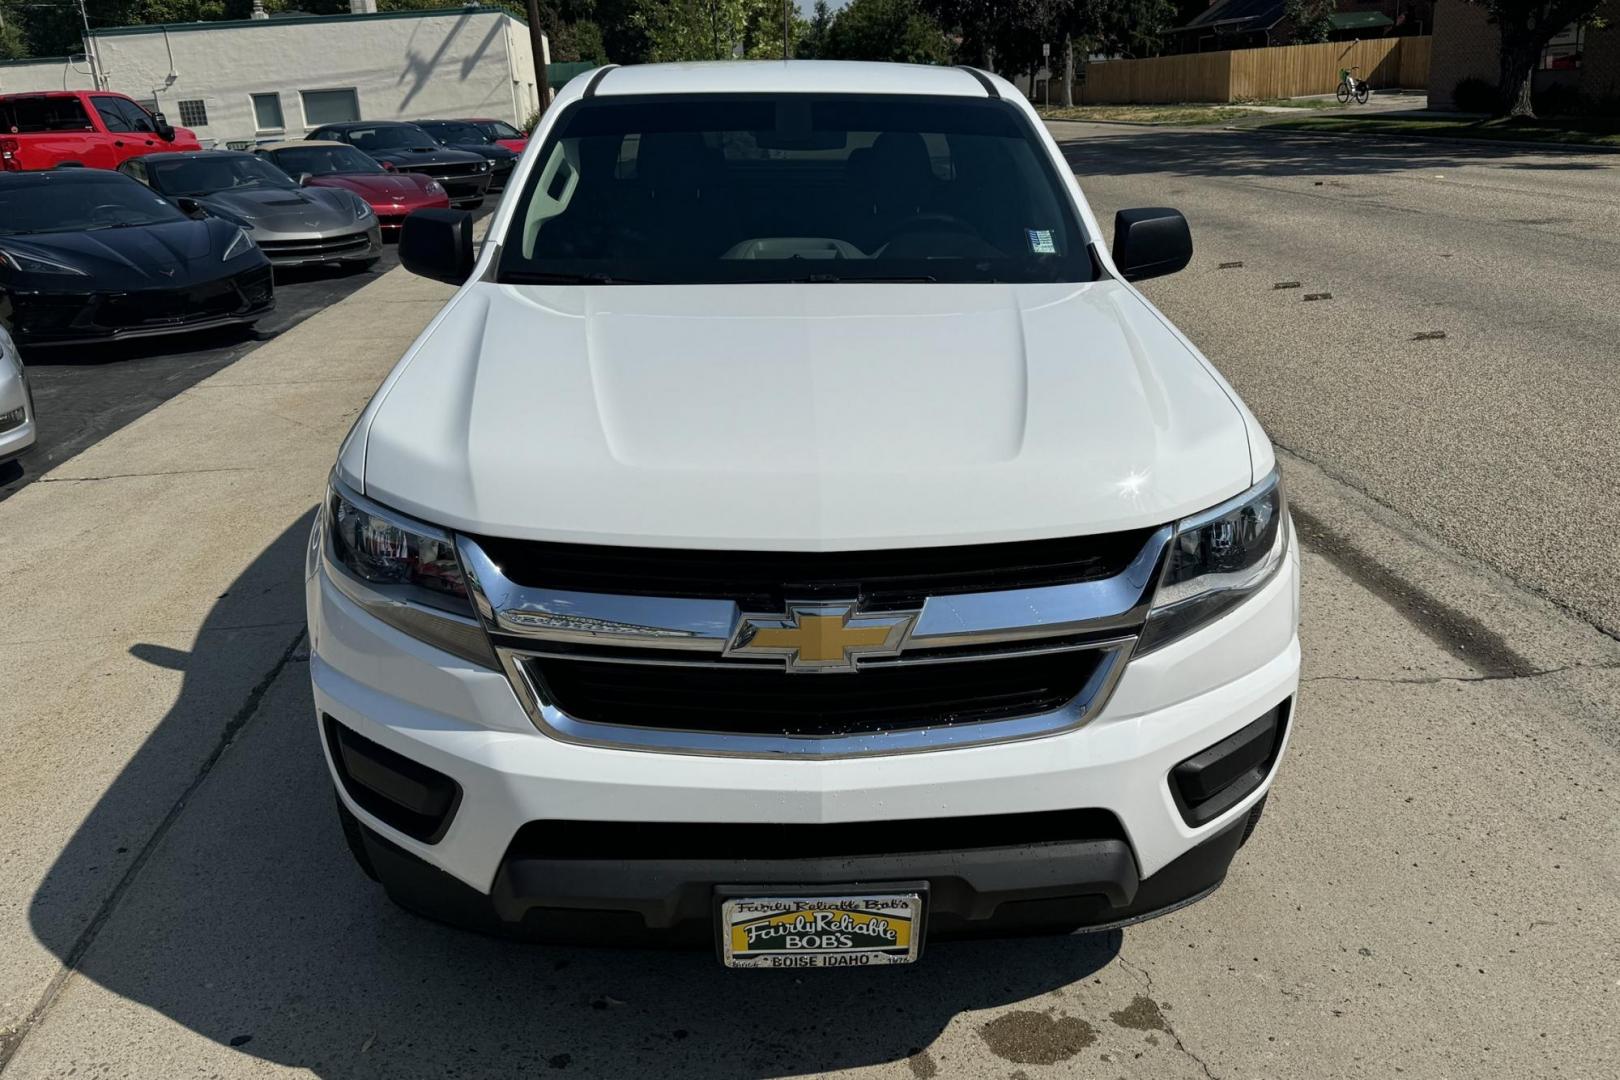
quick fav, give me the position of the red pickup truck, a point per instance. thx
(83, 127)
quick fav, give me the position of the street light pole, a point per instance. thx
(786, 7)
(537, 44)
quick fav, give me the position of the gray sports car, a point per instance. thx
(293, 226)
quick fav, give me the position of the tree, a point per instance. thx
(13, 33)
(896, 30)
(813, 41)
(1312, 20)
(1527, 26)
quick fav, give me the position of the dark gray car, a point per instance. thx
(294, 226)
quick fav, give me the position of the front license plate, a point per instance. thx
(821, 931)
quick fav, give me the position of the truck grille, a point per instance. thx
(738, 699)
(763, 580)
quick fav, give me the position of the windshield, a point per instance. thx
(324, 160)
(402, 137)
(448, 132)
(499, 129)
(794, 188)
(207, 174)
(46, 206)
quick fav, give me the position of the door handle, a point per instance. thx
(118, 142)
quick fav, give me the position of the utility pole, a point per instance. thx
(90, 48)
(787, 6)
(537, 44)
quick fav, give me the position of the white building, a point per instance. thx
(265, 78)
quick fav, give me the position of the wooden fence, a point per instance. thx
(1252, 74)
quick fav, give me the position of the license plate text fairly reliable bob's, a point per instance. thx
(798, 931)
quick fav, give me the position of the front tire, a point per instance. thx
(1344, 94)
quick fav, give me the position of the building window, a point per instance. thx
(267, 112)
(322, 107)
(193, 114)
(1563, 52)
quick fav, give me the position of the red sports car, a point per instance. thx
(391, 195)
(502, 132)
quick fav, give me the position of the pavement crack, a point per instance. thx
(1169, 1028)
(1431, 680)
(12, 1037)
(136, 475)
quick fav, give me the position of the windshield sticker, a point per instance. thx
(1040, 241)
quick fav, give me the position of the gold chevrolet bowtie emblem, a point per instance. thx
(821, 636)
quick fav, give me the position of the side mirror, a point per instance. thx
(304, 178)
(191, 207)
(1151, 242)
(165, 130)
(438, 244)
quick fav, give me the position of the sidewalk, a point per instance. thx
(114, 561)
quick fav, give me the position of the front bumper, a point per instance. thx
(76, 318)
(357, 246)
(466, 723)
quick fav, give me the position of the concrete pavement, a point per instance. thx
(1433, 889)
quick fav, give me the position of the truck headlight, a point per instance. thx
(404, 572)
(1217, 560)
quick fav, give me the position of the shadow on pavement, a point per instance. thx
(1204, 153)
(247, 923)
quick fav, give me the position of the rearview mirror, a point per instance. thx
(165, 130)
(1150, 242)
(304, 178)
(191, 207)
(438, 244)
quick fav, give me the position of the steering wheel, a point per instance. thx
(108, 210)
(932, 222)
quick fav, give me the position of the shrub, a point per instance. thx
(1475, 95)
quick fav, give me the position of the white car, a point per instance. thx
(797, 535)
(16, 402)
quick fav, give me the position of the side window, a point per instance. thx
(30, 115)
(139, 119)
(111, 114)
(135, 168)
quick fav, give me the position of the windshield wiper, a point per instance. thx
(547, 277)
(839, 279)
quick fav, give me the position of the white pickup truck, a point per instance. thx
(798, 536)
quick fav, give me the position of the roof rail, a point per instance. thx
(590, 87)
(984, 80)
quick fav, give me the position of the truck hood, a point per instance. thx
(819, 417)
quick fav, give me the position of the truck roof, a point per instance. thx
(788, 76)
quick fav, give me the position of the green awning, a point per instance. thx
(1360, 20)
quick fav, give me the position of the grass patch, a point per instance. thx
(1297, 103)
(1566, 131)
(1181, 115)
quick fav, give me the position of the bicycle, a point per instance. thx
(1350, 86)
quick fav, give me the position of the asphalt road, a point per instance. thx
(83, 394)
(1498, 437)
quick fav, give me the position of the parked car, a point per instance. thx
(89, 255)
(401, 147)
(798, 535)
(292, 226)
(16, 403)
(502, 132)
(459, 135)
(78, 127)
(391, 195)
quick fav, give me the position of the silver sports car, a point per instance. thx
(293, 226)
